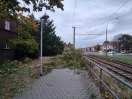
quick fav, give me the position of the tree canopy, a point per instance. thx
(25, 43)
(126, 42)
(12, 7)
(123, 42)
(52, 44)
(97, 47)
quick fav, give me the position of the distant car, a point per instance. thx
(112, 52)
(123, 52)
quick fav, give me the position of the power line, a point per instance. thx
(74, 12)
(114, 13)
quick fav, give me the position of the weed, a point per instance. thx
(15, 76)
(93, 96)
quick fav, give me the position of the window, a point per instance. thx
(7, 25)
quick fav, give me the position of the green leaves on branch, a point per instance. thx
(25, 43)
(52, 43)
(13, 7)
(72, 59)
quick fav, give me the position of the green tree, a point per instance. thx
(126, 42)
(97, 47)
(25, 43)
(13, 7)
(52, 44)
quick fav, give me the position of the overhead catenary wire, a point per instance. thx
(113, 14)
(106, 19)
(116, 11)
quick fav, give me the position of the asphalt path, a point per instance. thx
(118, 55)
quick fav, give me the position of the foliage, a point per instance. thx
(25, 43)
(13, 7)
(106, 41)
(97, 47)
(2, 10)
(16, 75)
(9, 67)
(123, 42)
(27, 22)
(11, 78)
(126, 42)
(72, 59)
(52, 44)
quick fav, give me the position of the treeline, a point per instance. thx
(123, 42)
(27, 43)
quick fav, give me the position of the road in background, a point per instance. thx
(119, 55)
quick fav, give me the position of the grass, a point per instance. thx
(119, 59)
(93, 96)
(15, 76)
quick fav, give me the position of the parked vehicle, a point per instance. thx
(123, 52)
(112, 52)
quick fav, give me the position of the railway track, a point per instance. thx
(120, 68)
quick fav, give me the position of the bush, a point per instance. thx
(9, 67)
(72, 59)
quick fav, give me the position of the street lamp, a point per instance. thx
(106, 33)
(42, 19)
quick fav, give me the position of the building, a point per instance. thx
(68, 47)
(91, 48)
(8, 30)
(110, 46)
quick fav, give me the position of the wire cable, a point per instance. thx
(113, 13)
(116, 11)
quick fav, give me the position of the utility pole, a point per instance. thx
(74, 36)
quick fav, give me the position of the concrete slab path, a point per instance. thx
(62, 84)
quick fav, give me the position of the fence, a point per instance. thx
(100, 77)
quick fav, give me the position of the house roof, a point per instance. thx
(110, 43)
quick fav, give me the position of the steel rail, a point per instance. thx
(100, 77)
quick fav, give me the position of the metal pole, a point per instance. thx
(74, 37)
(106, 38)
(106, 33)
(41, 43)
(100, 80)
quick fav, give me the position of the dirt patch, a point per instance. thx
(36, 63)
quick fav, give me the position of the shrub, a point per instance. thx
(72, 59)
(9, 67)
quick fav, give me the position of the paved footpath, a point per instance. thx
(62, 84)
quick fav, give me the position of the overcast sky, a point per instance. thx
(90, 16)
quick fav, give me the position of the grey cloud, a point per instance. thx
(89, 18)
